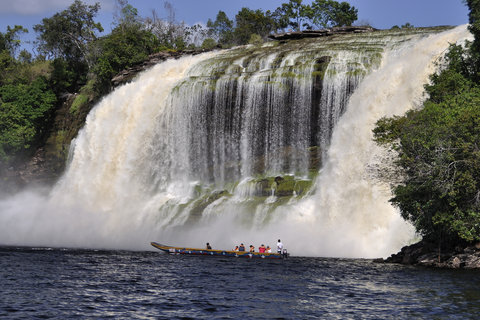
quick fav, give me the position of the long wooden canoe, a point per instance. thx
(213, 252)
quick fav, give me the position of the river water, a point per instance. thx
(42, 283)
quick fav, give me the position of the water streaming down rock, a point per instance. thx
(229, 143)
(351, 207)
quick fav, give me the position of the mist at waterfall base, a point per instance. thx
(108, 197)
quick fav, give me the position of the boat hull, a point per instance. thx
(218, 253)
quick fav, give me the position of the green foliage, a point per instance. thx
(24, 115)
(439, 149)
(121, 49)
(474, 27)
(221, 28)
(68, 34)
(321, 14)
(408, 25)
(87, 94)
(25, 56)
(250, 22)
(255, 39)
(7, 66)
(80, 100)
(295, 14)
(209, 43)
(67, 76)
(329, 13)
(9, 41)
(474, 20)
(439, 152)
(343, 14)
(128, 17)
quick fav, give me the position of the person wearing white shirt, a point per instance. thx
(279, 246)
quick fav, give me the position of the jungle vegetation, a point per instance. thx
(439, 148)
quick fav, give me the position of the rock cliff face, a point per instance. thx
(130, 73)
(319, 33)
(428, 255)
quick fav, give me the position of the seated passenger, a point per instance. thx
(268, 250)
(252, 248)
(209, 247)
(241, 248)
(262, 249)
(236, 248)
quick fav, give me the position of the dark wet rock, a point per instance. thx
(319, 33)
(428, 255)
(130, 73)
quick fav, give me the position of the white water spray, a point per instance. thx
(351, 212)
(108, 197)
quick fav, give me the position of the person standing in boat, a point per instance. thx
(279, 246)
(209, 247)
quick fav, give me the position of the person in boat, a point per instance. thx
(241, 248)
(252, 248)
(268, 250)
(236, 248)
(262, 248)
(209, 247)
(279, 246)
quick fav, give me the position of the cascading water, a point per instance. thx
(224, 147)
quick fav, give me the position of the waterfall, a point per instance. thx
(243, 145)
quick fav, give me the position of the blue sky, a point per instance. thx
(381, 14)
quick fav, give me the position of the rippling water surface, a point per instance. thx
(54, 283)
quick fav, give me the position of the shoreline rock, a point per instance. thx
(429, 255)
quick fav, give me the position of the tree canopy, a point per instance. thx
(69, 33)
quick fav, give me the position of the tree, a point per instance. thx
(126, 46)
(24, 114)
(474, 27)
(126, 16)
(195, 35)
(439, 152)
(9, 41)
(439, 148)
(221, 29)
(169, 33)
(25, 56)
(295, 13)
(208, 43)
(69, 33)
(474, 19)
(281, 20)
(250, 22)
(329, 13)
(344, 14)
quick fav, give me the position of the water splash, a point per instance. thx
(350, 211)
(134, 177)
